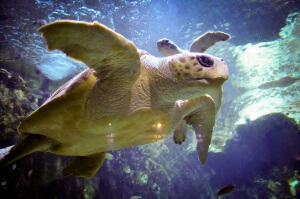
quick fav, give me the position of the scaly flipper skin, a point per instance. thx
(115, 60)
(201, 114)
(203, 121)
(84, 166)
(207, 40)
(110, 54)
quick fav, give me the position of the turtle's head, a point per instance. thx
(198, 69)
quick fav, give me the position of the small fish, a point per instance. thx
(25, 101)
(136, 197)
(296, 157)
(29, 173)
(37, 71)
(46, 94)
(31, 84)
(40, 22)
(109, 156)
(18, 108)
(33, 106)
(19, 56)
(283, 82)
(37, 93)
(228, 189)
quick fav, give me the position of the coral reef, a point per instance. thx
(13, 106)
(39, 171)
(270, 148)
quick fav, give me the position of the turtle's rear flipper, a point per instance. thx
(84, 166)
(30, 144)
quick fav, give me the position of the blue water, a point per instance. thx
(261, 156)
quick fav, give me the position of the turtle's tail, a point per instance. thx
(32, 143)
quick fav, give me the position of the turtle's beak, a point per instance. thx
(219, 70)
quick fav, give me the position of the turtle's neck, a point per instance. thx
(165, 89)
(160, 85)
(162, 90)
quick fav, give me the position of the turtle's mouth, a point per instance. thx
(201, 80)
(216, 81)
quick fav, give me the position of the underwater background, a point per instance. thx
(256, 143)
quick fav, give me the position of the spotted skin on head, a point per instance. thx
(185, 67)
(197, 66)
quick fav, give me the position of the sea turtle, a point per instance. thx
(167, 48)
(125, 98)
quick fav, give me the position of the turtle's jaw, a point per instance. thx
(206, 81)
(197, 80)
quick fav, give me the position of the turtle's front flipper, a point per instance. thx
(32, 143)
(111, 55)
(207, 40)
(202, 120)
(114, 59)
(84, 166)
(203, 136)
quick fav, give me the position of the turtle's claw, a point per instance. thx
(179, 141)
(180, 133)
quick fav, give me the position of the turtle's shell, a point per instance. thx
(62, 118)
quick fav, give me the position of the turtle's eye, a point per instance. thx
(205, 61)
